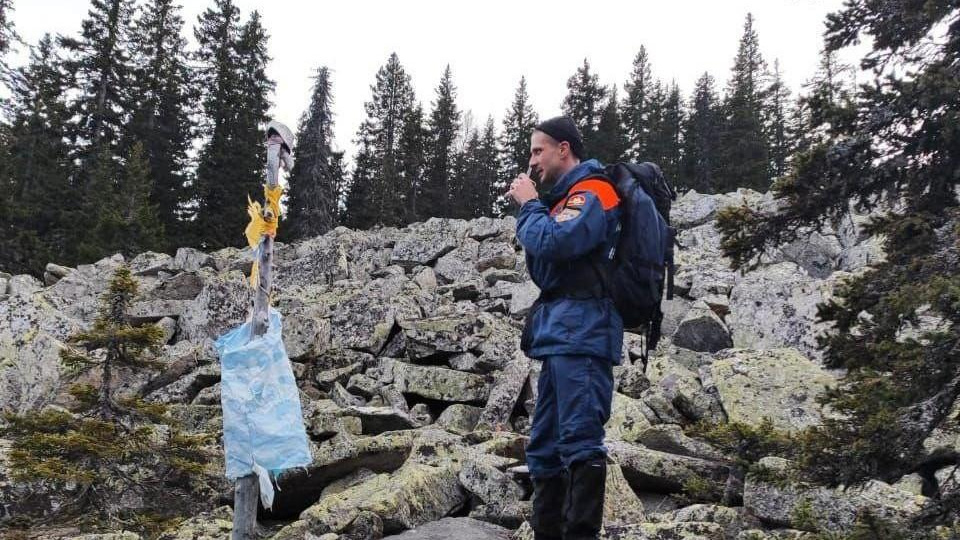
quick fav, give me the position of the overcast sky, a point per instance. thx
(490, 44)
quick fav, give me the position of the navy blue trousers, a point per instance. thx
(573, 404)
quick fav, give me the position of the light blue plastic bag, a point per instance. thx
(262, 420)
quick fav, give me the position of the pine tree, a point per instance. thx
(584, 104)
(162, 94)
(827, 102)
(636, 107)
(373, 197)
(37, 225)
(86, 455)
(744, 149)
(610, 144)
(699, 166)
(893, 148)
(313, 202)
(518, 124)
(439, 189)
(777, 111)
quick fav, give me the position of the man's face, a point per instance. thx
(547, 157)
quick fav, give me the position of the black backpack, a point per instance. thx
(643, 261)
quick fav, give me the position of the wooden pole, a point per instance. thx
(247, 490)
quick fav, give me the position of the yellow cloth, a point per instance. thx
(262, 222)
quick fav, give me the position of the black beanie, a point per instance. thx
(562, 128)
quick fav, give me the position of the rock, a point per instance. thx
(633, 382)
(305, 333)
(945, 438)
(628, 418)
(650, 470)
(485, 227)
(222, 304)
(912, 483)
(671, 439)
(776, 307)
(815, 252)
(327, 378)
(324, 419)
(620, 504)
(460, 528)
(504, 394)
(362, 385)
(23, 285)
(440, 383)
(498, 255)
(182, 286)
(191, 260)
(151, 264)
(702, 330)
(733, 520)
(458, 265)
(57, 272)
(153, 310)
(522, 298)
(32, 334)
(510, 515)
(413, 495)
(459, 418)
(693, 209)
(668, 372)
(421, 415)
(365, 318)
(780, 384)
(376, 420)
(489, 484)
(343, 398)
(214, 525)
(778, 500)
(444, 334)
(421, 250)
(78, 294)
(426, 279)
(335, 458)
(185, 389)
(169, 327)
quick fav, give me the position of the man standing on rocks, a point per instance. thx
(568, 234)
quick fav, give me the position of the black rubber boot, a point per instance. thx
(548, 499)
(583, 513)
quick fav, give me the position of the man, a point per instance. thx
(573, 328)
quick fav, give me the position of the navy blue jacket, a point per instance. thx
(567, 235)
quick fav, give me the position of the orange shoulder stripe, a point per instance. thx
(603, 190)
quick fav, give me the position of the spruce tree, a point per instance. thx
(518, 124)
(99, 59)
(109, 450)
(610, 143)
(744, 148)
(7, 35)
(438, 194)
(664, 144)
(235, 92)
(584, 104)
(892, 148)
(312, 204)
(413, 140)
(699, 165)
(636, 106)
(488, 170)
(38, 224)
(162, 105)
(373, 197)
(777, 112)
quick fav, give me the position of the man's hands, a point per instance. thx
(522, 189)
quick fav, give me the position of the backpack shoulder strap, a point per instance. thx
(601, 187)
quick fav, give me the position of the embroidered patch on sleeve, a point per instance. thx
(567, 214)
(576, 201)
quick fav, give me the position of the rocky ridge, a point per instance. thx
(404, 343)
